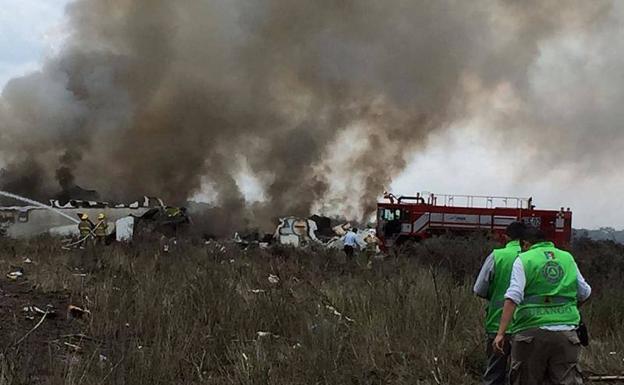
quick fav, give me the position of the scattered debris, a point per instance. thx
(14, 275)
(273, 279)
(338, 314)
(215, 246)
(251, 239)
(28, 260)
(342, 229)
(32, 330)
(257, 291)
(366, 239)
(50, 312)
(74, 347)
(262, 334)
(80, 337)
(77, 312)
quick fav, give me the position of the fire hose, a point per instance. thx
(79, 241)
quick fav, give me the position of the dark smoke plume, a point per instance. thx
(161, 97)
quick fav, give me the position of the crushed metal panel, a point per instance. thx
(124, 229)
(296, 231)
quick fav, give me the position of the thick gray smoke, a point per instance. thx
(160, 97)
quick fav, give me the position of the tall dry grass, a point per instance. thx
(200, 315)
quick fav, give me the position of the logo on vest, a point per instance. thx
(549, 255)
(552, 272)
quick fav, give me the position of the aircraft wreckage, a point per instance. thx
(61, 218)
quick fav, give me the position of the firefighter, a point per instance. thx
(85, 226)
(541, 304)
(173, 212)
(491, 284)
(101, 229)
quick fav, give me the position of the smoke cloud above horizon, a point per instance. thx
(322, 102)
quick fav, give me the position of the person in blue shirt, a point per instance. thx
(350, 242)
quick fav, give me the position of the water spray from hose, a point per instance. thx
(38, 204)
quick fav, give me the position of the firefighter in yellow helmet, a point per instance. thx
(85, 226)
(101, 229)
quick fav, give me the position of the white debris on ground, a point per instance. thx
(32, 311)
(273, 279)
(262, 334)
(338, 314)
(14, 275)
(215, 246)
(77, 312)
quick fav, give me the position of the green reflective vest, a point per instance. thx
(550, 294)
(503, 264)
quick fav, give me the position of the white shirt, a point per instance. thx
(515, 292)
(350, 239)
(482, 284)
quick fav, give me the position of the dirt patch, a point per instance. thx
(22, 308)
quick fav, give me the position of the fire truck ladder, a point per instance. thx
(478, 201)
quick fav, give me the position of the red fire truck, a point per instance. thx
(412, 218)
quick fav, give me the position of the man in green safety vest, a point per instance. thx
(491, 284)
(541, 310)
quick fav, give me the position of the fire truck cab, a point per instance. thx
(412, 218)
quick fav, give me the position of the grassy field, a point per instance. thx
(206, 314)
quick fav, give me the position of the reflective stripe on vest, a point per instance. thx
(541, 299)
(84, 227)
(101, 228)
(550, 291)
(536, 299)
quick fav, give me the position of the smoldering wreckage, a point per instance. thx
(150, 215)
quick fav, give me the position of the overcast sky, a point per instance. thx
(29, 30)
(462, 160)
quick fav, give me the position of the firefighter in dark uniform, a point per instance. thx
(101, 230)
(85, 226)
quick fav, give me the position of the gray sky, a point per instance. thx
(29, 30)
(465, 159)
